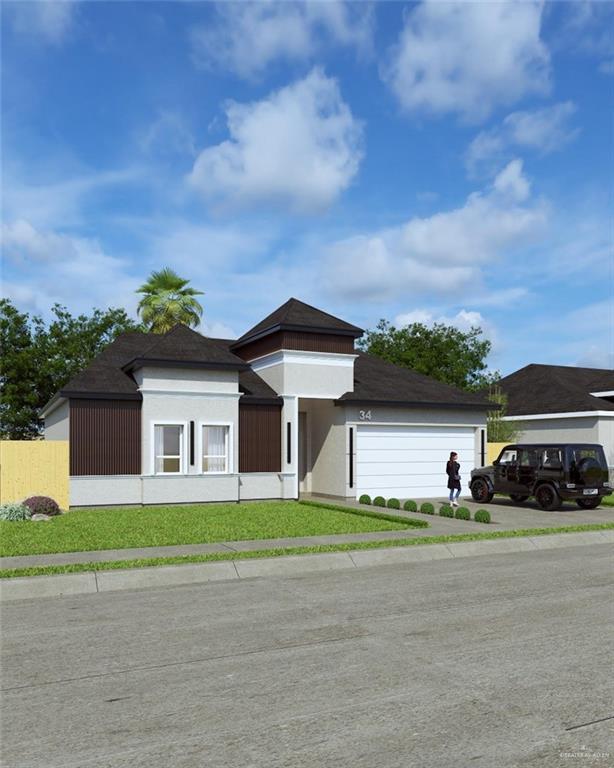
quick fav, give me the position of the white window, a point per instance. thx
(168, 445)
(215, 448)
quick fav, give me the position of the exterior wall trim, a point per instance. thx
(297, 356)
(190, 393)
(607, 393)
(570, 415)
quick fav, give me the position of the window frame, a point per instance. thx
(229, 447)
(182, 446)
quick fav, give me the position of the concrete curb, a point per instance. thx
(292, 565)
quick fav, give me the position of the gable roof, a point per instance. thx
(295, 315)
(377, 381)
(537, 389)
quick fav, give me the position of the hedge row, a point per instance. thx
(446, 510)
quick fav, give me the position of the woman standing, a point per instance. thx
(452, 471)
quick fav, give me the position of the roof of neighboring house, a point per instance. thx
(380, 382)
(537, 389)
(295, 315)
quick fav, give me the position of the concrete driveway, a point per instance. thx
(492, 661)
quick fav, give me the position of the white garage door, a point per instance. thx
(409, 462)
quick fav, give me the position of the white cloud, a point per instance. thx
(168, 135)
(468, 58)
(442, 253)
(299, 148)
(247, 37)
(545, 130)
(46, 20)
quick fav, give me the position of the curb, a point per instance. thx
(66, 584)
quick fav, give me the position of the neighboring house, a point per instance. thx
(559, 403)
(289, 407)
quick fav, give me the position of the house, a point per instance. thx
(290, 407)
(553, 403)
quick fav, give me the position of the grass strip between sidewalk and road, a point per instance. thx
(46, 570)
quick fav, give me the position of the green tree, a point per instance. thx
(500, 431)
(441, 351)
(38, 359)
(167, 300)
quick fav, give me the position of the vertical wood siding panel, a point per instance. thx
(308, 342)
(259, 438)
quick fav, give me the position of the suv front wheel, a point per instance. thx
(480, 491)
(547, 497)
(588, 503)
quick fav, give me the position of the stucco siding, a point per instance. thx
(57, 423)
(262, 485)
(104, 490)
(328, 451)
(579, 430)
(178, 490)
(606, 438)
(187, 380)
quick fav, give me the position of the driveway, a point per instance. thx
(493, 661)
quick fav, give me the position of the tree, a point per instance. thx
(500, 431)
(38, 359)
(441, 351)
(167, 300)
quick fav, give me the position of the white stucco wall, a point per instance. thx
(105, 490)
(307, 374)
(606, 438)
(326, 447)
(565, 430)
(186, 380)
(57, 423)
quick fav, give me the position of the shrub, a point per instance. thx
(427, 508)
(364, 499)
(393, 504)
(482, 516)
(446, 511)
(42, 505)
(379, 501)
(14, 511)
(462, 513)
(410, 506)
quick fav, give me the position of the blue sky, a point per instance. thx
(434, 161)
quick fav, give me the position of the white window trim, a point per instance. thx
(229, 446)
(182, 445)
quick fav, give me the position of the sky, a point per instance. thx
(431, 162)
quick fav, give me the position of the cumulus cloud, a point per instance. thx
(245, 38)
(442, 253)
(544, 130)
(468, 58)
(298, 148)
(49, 21)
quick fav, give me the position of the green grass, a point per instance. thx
(86, 530)
(7, 573)
(608, 501)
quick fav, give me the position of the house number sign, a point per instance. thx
(365, 415)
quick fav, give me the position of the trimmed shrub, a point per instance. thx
(379, 501)
(427, 508)
(393, 504)
(446, 511)
(410, 506)
(482, 516)
(42, 505)
(14, 511)
(462, 513)
(364, 499)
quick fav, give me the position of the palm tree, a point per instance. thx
(168, 301)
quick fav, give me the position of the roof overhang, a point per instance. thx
(568, 415)
(607, 393)
(141, 362)
(353, 333)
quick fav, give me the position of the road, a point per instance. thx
(487, 661)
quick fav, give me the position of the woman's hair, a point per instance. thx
(452, 455)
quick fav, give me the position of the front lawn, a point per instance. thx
(608, 501)
(85, 530)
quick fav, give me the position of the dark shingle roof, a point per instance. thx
(378, 381)
(556, 389)
(296, 315)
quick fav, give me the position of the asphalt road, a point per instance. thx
(486, 661)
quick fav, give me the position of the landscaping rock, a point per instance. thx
(40, 517)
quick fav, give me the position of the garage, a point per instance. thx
(408, 462)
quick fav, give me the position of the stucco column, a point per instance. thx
(289, 439)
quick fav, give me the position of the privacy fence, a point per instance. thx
(34, 468)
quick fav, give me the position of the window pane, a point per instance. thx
(214, 441)
(172, 437)
(214, 464)
(170, 465)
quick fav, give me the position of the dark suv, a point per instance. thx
(551, 472)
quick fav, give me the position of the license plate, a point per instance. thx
(590, 491)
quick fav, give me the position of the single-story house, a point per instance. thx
(290, 407)
(553, 403)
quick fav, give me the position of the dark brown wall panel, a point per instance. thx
(105, 437)
(259, 438)
(308, 342)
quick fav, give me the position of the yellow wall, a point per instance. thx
(34, 468)
(494, 449)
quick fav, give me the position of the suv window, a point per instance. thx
(529, 457)
(552, 458)
(509, 457)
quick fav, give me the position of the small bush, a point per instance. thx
(410, 506)
(379, 501)
(446, 511)
(393, 504)
(427, 508)
(42, 505)
(462, 513)
(364, 499)
(482, 516)
(14, 511)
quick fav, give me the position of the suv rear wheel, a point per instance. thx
(518, 497)
(480, 490)
(547, 497)
(588, 503)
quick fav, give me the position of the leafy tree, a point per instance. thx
(441, 351)
(167, 300)
(500, 431)
(38, 359)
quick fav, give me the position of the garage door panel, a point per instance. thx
(413, 455)
(401, 442)
(401, 468)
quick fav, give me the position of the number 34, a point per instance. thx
(365, 415)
